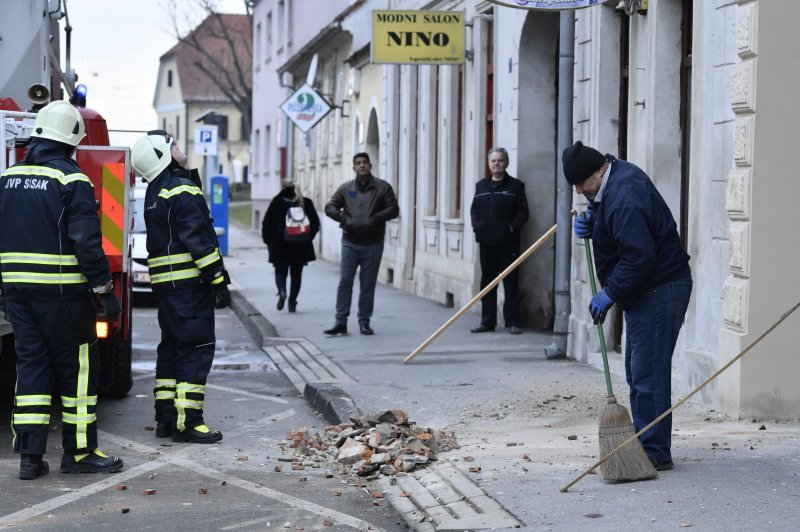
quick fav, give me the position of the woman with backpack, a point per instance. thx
(289, 226)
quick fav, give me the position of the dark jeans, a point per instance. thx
(653, 322)
(282, 271)
(368, 259)
(495, 259)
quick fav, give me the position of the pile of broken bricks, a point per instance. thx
(380, 444)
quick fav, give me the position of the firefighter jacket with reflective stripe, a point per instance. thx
(182, 247)
(50, 239)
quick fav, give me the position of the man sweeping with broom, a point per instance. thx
(642, 266)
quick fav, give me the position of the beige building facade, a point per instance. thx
(695, 93)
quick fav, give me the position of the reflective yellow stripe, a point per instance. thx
(166, 382)
(169, 276)
(82, 417)
(39, 258)
(188, 403)
(43, 278)
(81, 420)
(155, 262)
(161, 394)
(218, 280)
(33, 400)
(31, 419)
(189, 387)
(73, 402)
(43, 171)
(188, 189)
(211, 258)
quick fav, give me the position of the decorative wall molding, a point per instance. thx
(735, 301)
(748, 31)
(737, 193)
(744, 136)
(743, 87)
(430, 228)
(739, 249)
(454, 233)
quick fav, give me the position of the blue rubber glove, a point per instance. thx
(584, 224)
(599, 306)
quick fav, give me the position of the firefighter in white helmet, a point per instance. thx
(51, 261)
(189, 279)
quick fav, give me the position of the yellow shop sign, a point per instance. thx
(418, 37)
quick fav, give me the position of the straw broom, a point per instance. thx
(615, 422)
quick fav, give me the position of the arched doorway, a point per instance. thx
(373, 141)
(537, 128)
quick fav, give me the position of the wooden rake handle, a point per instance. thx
(536, 245)
(679, 403)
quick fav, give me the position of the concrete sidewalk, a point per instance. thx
(530, 424)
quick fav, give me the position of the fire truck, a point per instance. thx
(30, 70)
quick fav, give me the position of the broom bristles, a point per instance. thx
(629, 463)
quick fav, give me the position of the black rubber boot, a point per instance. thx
(198, 434)
(32, 466)
(163, 429)
(93, 462)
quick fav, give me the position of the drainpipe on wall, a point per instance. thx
(566, 53)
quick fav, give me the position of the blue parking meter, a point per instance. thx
(219, 210)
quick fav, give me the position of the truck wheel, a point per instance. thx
(115, 367)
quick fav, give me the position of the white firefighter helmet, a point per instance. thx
(151, 155)
(59, 121)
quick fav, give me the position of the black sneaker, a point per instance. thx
(32, 466)
(163, 429)
(198, 434)
(482, 329)
(93, 462)
(336, 329)
(662, 466)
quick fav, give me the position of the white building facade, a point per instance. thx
(672, 90)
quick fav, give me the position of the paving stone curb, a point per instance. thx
(331, 401)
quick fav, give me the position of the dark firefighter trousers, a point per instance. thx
(56, 343)
(185, 354)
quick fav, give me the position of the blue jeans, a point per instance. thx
(368, 259)
(653, 322)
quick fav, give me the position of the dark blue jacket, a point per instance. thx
(498, 213)
(635, 238)
(182, 247)
(50, 239)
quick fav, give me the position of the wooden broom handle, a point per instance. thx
(536, 245)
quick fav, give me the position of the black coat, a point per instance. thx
(274, 223)
(498, 213)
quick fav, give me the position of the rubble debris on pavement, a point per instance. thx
(386, 443)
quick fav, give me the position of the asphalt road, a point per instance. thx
(232, 485)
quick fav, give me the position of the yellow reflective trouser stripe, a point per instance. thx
(169, 276)
(166, 383)
(39, 258)
(73, 402)
(211, 258)
(82, 418)
(162, 394)
(33, 400)
(189, 189)
(44, 171)
(218, 280)
(182, 403)
(169, 259)
(43, 278)
(31, 419)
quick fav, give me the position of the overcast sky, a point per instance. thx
(115, 49)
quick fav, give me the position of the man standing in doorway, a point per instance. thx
(362, 206)
(498, 211)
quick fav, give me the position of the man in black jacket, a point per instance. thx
(498, 211)
(52, 260)
(189, 280)
(362, 206)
